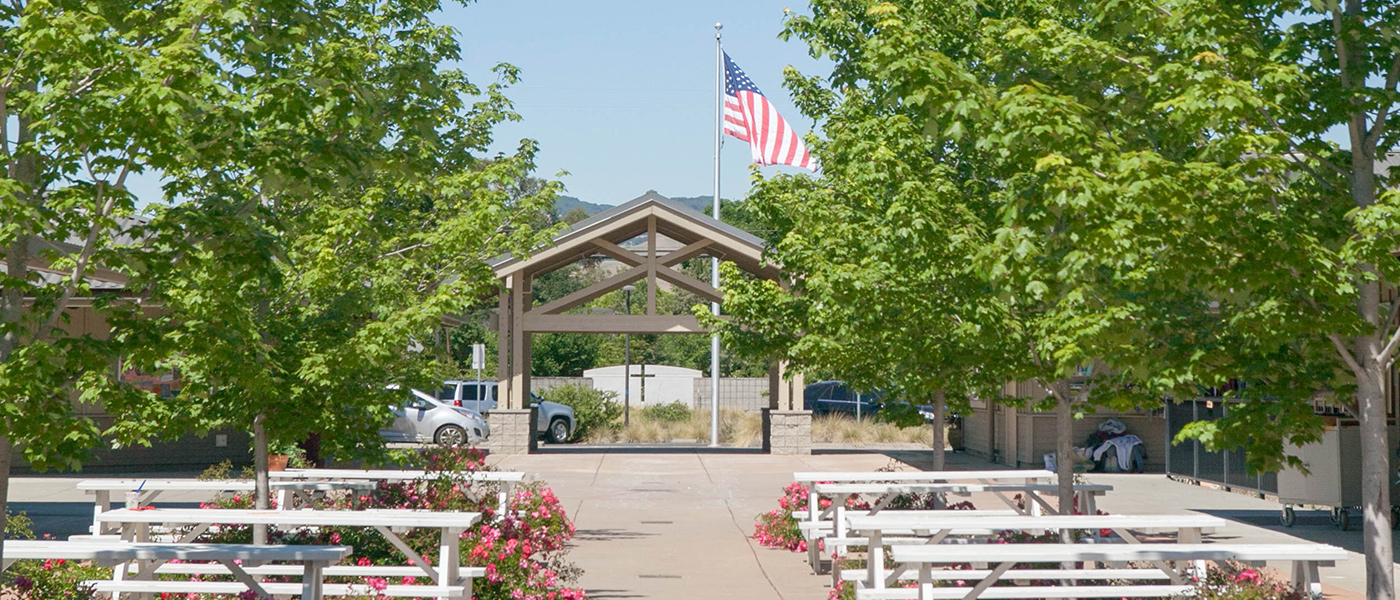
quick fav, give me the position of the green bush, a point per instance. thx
(593, 409)
(672, 412)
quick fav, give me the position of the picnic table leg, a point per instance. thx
(987, 582)
(503, 496)
(838, 502)
(449, 546)
(874, 560)
(311, 585)
(925, 580)
(814, 554)
(102, 502)
(1305, 576)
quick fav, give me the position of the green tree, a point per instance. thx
(89, 95)
(1166, 202)
(331, 197)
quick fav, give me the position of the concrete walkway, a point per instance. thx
(667, 523)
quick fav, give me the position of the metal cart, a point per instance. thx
(1334, 478)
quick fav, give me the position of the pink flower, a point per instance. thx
(1248, 576)
(376, 583)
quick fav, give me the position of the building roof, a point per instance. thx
(627, 221)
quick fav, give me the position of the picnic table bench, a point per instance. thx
(886, 492)
(231, 558)
(449, 578)
(894, 528)
(1306, 559)
(506, 480)
(288, 492)
(815, 514)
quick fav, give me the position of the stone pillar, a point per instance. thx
(787, 428)
(511, 431)
(790, 431)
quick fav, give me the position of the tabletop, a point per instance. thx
(915, 488)
(923, 520)
(874, 476)
(350, 518)
(390, 474)
(1046, 553)
(213, 485)
(116, 552)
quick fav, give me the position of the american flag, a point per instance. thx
(749, 117)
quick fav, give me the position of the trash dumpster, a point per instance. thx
(1334, 474)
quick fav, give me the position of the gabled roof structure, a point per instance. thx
(655, 217)
(603, 234)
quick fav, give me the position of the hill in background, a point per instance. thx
(564, 204)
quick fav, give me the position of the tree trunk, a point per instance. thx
(940, 408)
(4, 493)
(1064, 453)
(260, 491)
(1375, 485)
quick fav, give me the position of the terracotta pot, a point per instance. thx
(277, 462)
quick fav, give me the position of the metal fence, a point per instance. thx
(741, 393)
(1189, 459)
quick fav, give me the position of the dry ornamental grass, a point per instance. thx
(744, 429)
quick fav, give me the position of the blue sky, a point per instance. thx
(621, 94)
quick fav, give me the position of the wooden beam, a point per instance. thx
(542, 323)
(592, 291)
(686, 253)
(651, 265)
(690, 284)
(617, 252)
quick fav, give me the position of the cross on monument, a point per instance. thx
(643, 383)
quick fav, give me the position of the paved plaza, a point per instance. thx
(667, 523)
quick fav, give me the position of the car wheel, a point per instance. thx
(559, 431)
(450, 435)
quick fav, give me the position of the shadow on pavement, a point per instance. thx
(62, 519)
(642, 449)
(1311, 525)
(609, 535)
(614, 594)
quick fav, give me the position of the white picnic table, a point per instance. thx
(815, 514)
(135, 524)
(885, 492)
(507, 480)
(233, 558)
(1306, 559)
(928, 528)
(288, 492)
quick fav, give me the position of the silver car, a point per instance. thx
(555, 422)
(422, 418)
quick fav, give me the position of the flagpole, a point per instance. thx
(714, 261)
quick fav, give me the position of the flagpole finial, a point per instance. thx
(718, 26)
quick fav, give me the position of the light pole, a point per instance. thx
(627, 359)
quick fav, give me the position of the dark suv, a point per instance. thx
(825, 397)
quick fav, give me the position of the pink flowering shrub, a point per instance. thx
(1233, 581)
(45, 579)
(523, 550)
(778, 528)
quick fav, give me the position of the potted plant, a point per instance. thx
(278, 455)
